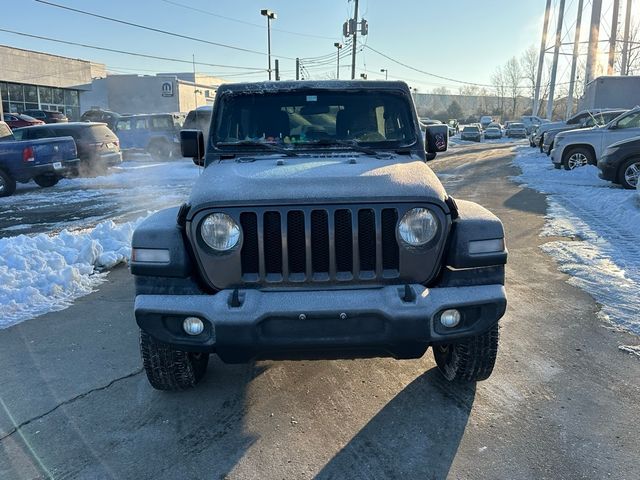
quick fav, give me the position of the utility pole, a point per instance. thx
(338, 45)
(297, 69)
(277, 63)
(594, 34)
(355, 37)
(574, 62)
(614, 34)
(543, 47)
(625, 40)
(554, 65)
(270, 16)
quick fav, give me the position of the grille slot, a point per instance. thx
(272, 243)
(337, 244)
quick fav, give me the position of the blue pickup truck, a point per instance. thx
(44, 161)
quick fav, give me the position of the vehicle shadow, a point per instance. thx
(416, 435)
(527, 200)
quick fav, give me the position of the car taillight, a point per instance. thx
(28, 155)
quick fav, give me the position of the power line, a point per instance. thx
(157, 30)
(244, 22)
(124, 52)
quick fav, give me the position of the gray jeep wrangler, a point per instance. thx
(315, 231)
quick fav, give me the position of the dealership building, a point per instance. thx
(36, 80)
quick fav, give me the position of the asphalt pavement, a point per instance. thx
(562, 403)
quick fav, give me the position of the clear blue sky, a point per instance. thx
(464, 39)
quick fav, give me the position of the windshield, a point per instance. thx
(378, 118)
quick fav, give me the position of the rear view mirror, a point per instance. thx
(436, 140)
(192, 145)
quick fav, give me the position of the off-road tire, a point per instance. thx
(541, 143)
(623, 171)
(160, 150)
(7, 184)
(588, 157)
(470, 360)
(46, 180)
(168, 368)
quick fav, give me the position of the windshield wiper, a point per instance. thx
(351, 144)
(254, 143)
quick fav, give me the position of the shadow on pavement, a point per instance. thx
(527, 200)
(416, 435)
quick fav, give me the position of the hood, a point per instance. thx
(316, 179)
(545, 127)
(580, 131)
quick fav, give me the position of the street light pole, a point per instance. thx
(386, 73)
(270, 16)
(338, 45)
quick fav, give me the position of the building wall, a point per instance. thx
(35, 68)
(611, 92)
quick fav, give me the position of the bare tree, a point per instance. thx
(513, 77)
(441, 91)
(500, 86)
(633, 64)
(529, 66)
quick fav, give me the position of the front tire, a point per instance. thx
(168, 368)
(630, 173)
(46, 180)
(577, 157)
(159, 150)
(469, 360)
(7, 184)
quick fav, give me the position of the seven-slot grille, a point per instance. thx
(321, 244)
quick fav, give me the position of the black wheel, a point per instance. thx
(46, 180)
(7, 184)
(470, 360)
(630, 173)
(577, 157)
(541, 142)
(168, 368)
(159, 150)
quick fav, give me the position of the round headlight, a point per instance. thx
(220, 231)
(418, 226)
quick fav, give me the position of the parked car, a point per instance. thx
(485, 120)
(495, 125)
(17, 120)
(597, 119)
(98, 147)
(155, 134)
(492, 133)
(47, 116)
(620, 163)
(581, 147)
(471, 132)
(532, 121)
(577, 119)
(199, 119)
(516, 130)
(45, 160)
(102, 116)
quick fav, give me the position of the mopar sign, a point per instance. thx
(167, 89)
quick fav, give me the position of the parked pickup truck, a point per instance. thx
(317, 230)
(581, 147)
(45, 161)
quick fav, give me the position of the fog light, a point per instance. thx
(450, 318)
(193, 325)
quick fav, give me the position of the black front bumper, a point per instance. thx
(350, 323)
(607, 170)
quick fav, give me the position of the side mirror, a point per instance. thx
(436, 140)
(192, 145)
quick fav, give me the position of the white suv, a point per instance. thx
(576, 148)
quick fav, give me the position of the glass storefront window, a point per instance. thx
(30, 93)
(16, 107)
(46, 96)
(58, 96)
(71, 98)
(16, 93)
(3, 91)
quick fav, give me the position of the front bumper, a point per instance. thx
(607, 170)
(556, 154)
(320, 324)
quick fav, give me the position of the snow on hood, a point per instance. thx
(316, 179)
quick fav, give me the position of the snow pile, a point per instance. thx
(44, 273)
(603, 224)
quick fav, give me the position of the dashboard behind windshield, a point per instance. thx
(375, 118)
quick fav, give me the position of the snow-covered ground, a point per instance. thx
(78, 229)
(602, 225)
